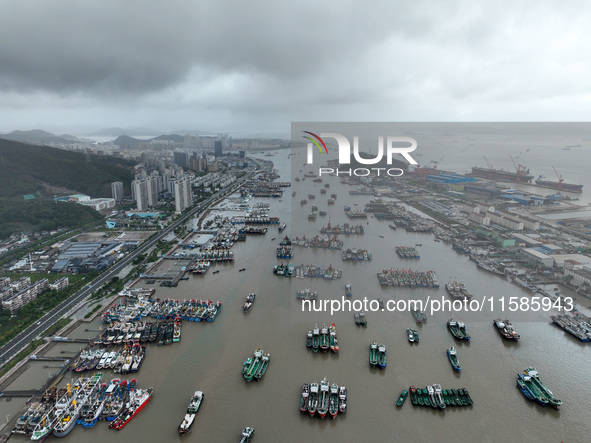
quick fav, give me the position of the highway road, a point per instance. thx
(18, 343)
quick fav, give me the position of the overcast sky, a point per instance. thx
(258, 65)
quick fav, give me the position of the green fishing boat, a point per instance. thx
(373, 354)
(382, 356)
(263, 366)
(315, 339)
(252, 366)
(415, 335)
(453, 359)
(414, 397)
(402, 398)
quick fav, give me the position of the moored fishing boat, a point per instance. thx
(342, 399)
(333, 407)
(315, 339)
(382, 356)
(192, 409)
(334, 346)
(402, 397)
(415, 335)
(373, 354)
(348, 291)
(305, 398)
(410, 335)
(324, 339)
(138, 398)
(324, 398)
(453, 359)
(313, 399)
(265, 359)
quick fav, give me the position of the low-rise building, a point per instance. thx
(25, 296)
(60, 283)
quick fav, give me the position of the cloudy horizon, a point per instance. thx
(258, 66)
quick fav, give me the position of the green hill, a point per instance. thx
(17, 215)
(25, 168)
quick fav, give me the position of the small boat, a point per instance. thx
(348, 291)
(192, 409)
(342, 399)
(241, 269)
(246, 434)
(453, 359)
(382, 356)
(305, 397)
(215, 272)
(411, 336)
(333, 407)
(402, 398)
(415, 334)
(249, 302)
(381, 236)
(373, 354)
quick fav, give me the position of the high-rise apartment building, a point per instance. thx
(117, 191)
(183, 196)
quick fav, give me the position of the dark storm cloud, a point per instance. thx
(261, 62)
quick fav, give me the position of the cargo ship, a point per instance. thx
(559, 185)
(521, 176)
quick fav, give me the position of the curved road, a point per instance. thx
(18, 343)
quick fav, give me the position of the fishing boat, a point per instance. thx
(315, 339)
(541, 393)
(411, 336)
(176, 337)
(324, 339)
(438, 396)
(414, 396)
(348, 291)
(304, 400)
(455, 330)
(265, 359)
(342, 399)
(138, 398)
(282, 226)
(252, 365)
(373, 354)
(419, 316)
(313, 399)
(402, 397)
(453, 359)
(249, 302)
(506, 330)
(462, 331)
(382, 356)
(192, 409)
(246, 435)
(324, 398)
(309, 339)
(333, 407)
(334, 346)
(415, 335)
(362, 319)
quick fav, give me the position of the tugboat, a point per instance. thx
(348, 291)
(323, 402)
(342, 399)
(246, 434)
(305, 397)
(333, 407)
(249, 302)
(382, 356)
(373, 354)
(313, 401)
(192, 409)
(402, 398)
(453, 359)
(506, 329)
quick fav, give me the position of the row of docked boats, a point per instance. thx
(306, 294)
(345, 229)
(125, 360)
(408, 278)
(377, 355)
(319, 242)
(214, 255)
(578, 325)
(312, 271)
(407, 252)
(532, 388)
(134, 309)
(323, 399)
(323, 339)
(255, 367)
(164, 333)
(458, 290)
(436, 397)
(458, 329)
(89, 400)
(30, 418)
(356, 254)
